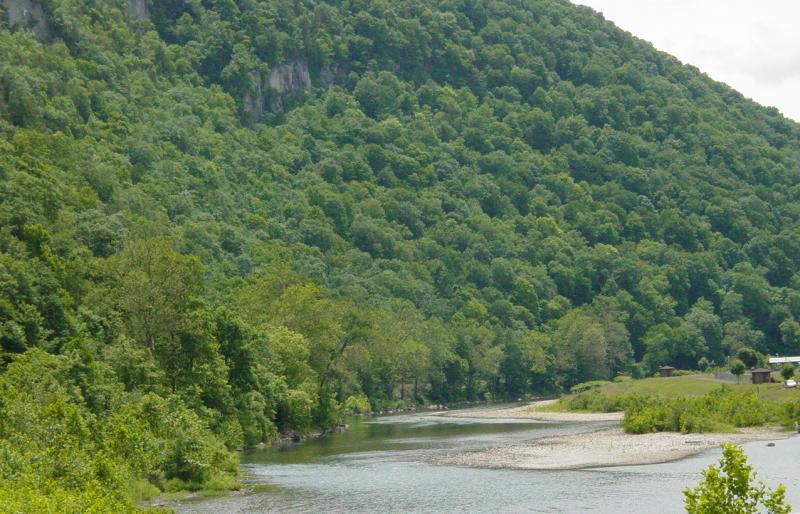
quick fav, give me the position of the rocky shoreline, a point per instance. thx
(294, 436)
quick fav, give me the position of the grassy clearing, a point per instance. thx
(689, 403)
(698, 385)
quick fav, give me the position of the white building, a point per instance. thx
(784, 360)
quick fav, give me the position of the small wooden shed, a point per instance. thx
(666, 371)
(761, 376)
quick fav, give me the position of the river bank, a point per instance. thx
(389, 464)
(604, 448)
(536, 411)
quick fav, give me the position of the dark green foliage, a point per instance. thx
(436, 202)
(748, 357)
(595, 401)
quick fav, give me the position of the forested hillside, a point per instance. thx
(221, 220)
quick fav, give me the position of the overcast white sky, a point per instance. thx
(754, 46)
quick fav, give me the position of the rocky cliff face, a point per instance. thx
(285, 79)
(30, 14)
(27, 14)
(253, 100)
(137, 9)
(282, 80)
(289, 77)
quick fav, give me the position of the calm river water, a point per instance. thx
(383, 465)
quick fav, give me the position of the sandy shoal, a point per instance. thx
(610, 447)
(604, 448)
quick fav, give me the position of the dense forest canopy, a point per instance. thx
(221, 220)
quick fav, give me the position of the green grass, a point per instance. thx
(699, 385)
(688, 403)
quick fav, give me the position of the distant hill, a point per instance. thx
(253, 216)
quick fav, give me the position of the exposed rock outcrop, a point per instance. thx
(285, 79)
(137, 9)
(282, 80)
(27, 14)
(30, 14)
(329, 75)
(289, 77)
(253, 100)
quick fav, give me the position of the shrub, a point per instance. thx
(296, 410)
(58, 455)
(595, 401)
(358, 404)
(586, 386)
(730, 487)
(327, 412)
(716, 411)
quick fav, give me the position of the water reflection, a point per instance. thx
(384, 465)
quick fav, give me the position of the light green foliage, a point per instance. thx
(696, 384)
(730, 488)
(72, 440)
(357, 404)
(737, 368)
(462, 201)
(720, 410)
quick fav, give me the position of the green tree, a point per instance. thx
(748, 357)
(729, 488)
(737, 368)
(581, 341)
(155, 287)
(680, 345)
(787, 371)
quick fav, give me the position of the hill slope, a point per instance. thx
(239, 217)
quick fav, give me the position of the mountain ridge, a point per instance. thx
(450, 201)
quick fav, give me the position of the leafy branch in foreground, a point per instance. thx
(730, 489)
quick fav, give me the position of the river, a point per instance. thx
(387, 464)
